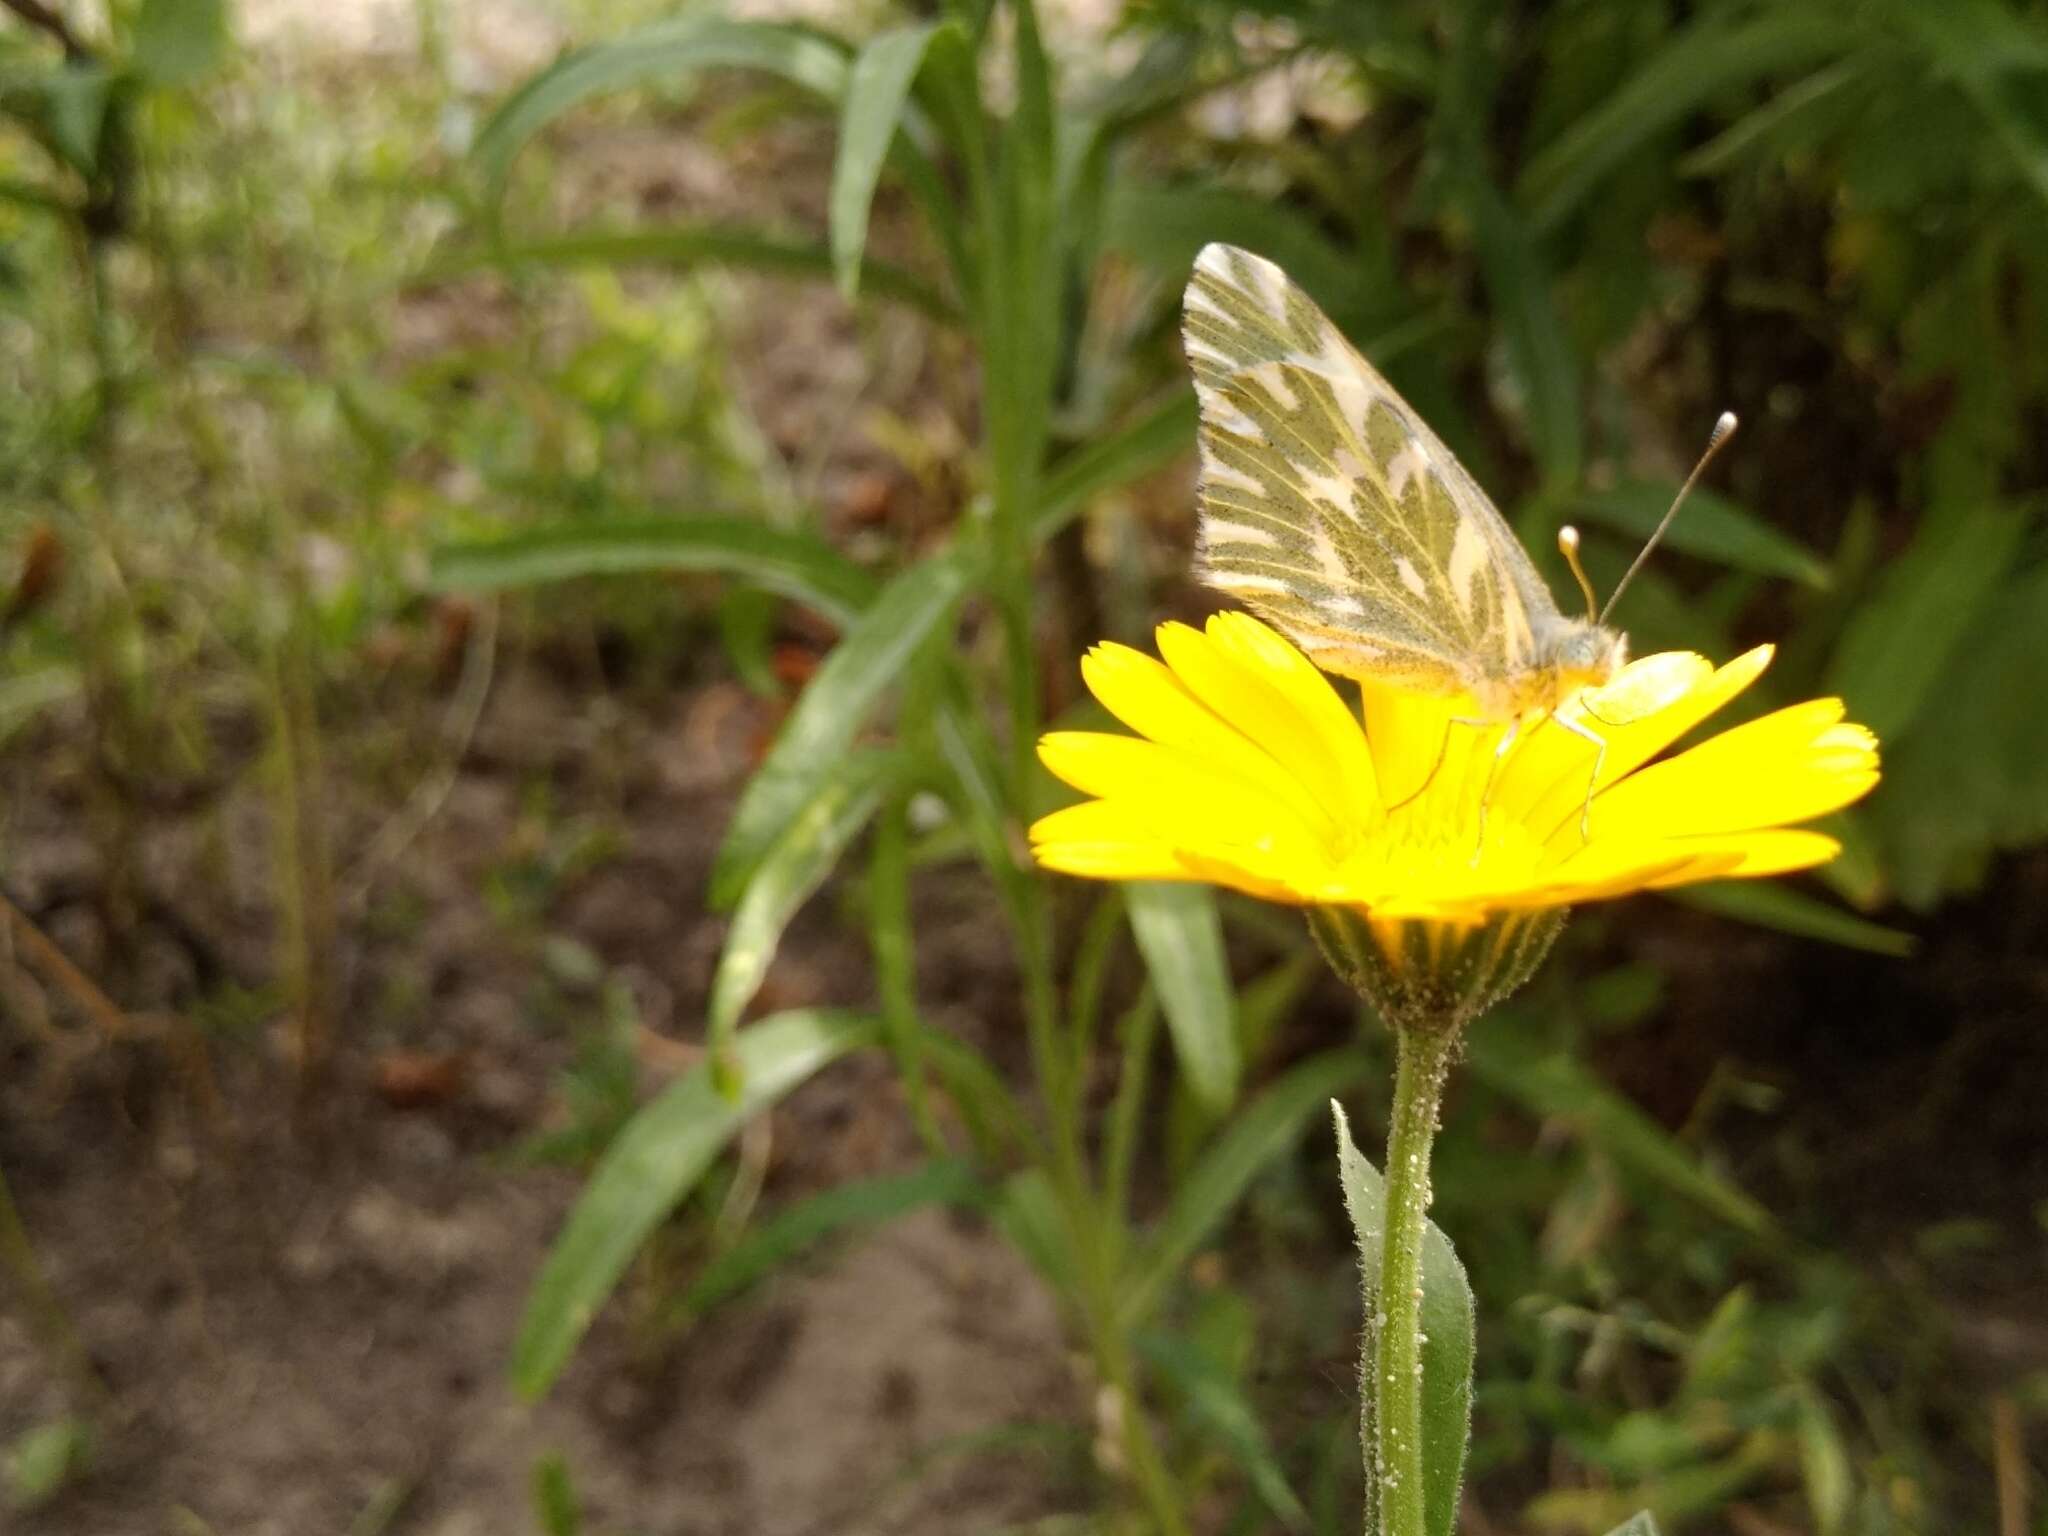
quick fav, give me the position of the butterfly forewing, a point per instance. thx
(1332, 510)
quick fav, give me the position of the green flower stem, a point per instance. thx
(1421, 1061)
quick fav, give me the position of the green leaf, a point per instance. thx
(74, 99)
(1970, 784)
(1553, 1085)
(1709, 58)
(1216, 1405)
(811, 747)
(1030, 1217)
(1785, 910)
(876, 93)
(664, 50)
(1798, 117)
(556, 1508)
(1164, 225)
(1152, 440)
(1181, 938)
(1449, 1334)
(44, 1461)
(686, 246)
(857, 1205)
(1904, 633)
(1267, 1128)
(794, 867)
(1539, 351)
(1711, 527)
(746, 625)
(178, 43)
(1981, 45)
(797, 565)
(652, 1165)
(1824, 1465)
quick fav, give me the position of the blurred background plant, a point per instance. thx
(503, 518)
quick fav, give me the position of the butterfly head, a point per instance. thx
(1580, 653)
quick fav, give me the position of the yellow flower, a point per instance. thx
(1250, 771)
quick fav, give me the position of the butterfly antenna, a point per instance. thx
(1723, 430)
(1568, 546)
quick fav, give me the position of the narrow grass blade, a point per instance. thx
(1181, 938)
(876, 94)
(664, 50)
(652, 1165)
(1268, 1127)
(684, 246)
(857, 1206)
(1706, 60)
(1162, 225)
(792, 869)
(1552, 1085)
(1903, 635)
(1449, 1333)
(812, 745)
(1785, 910)
(1711, 527)
(796, 565)
(1151, 440)
(1216, 1404)
(1982, 45)
(556, 1508)
(1539, 350)
(1796, 118)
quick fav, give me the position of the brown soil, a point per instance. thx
(298, 1321)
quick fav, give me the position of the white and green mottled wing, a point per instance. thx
(1332, 511)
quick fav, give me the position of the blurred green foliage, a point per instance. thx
(288, 366)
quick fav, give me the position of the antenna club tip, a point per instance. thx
(1568, 539)
(1725, 425)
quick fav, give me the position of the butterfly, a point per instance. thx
(1331, 510)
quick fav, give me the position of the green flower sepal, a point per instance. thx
(1434, 977)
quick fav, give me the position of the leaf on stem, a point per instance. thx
(1448, 1334)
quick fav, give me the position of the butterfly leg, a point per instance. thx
(1500, 751)
(1443, 750)
(1593, 781)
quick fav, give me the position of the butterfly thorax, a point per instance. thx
(1568, 655)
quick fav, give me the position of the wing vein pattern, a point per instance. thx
(1330, 508)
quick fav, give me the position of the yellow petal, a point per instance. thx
(1406, 731)
(1174, 794)
(1775, 852)
(1549, 777)
(1318, 701)
(1098, 840)
(1789, 766)
(1152, 701)
(1260, 705)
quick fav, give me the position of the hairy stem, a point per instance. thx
(1422, 1059)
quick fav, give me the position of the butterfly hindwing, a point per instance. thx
(1331, 509)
